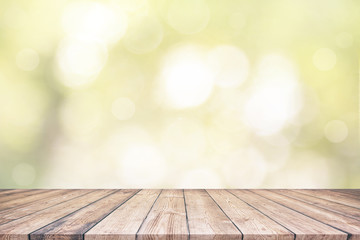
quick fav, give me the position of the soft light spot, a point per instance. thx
(230, 65)
(142, 165)
(336, 131)
(324, 59)
(344, 40)
(144, 35)
(27, 59)
(123, 108)
(79, 61)
(94, 20)
(187, 78)
(274, 100)
(23, 174)
(188, 16)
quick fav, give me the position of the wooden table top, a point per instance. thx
(111, 214)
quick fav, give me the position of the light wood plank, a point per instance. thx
(19, 195)
(336, 220)
(304, 227)
(74, 225)
(21, 228)
(352, 193)
(331, 196)
(252, 223)
(7, 192)
(329, 205)
(124, 222)
(23, 210)
(206, 220)
(30, 199)
(166, 219)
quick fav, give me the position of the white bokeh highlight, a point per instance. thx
(230, 65)
(95, 20)
(275, 98)
(187, 79)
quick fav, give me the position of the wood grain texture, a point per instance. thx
(333, 196)
(326, 204)
(6, 192)
(19, 195)
(206, 220)
(341, 222)
(352, 192)
(26, 209)
(22, 201)
(124, 222)
(166, 219)
(179, 214)
(74, 225)
(303, 226)
(252, 223)
(21, 228)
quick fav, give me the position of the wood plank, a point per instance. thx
(166, 219)
(30, 199)
(23, 210)
(178, 214)
(354, 193)
(332, 196)
(252, 223)
(329, 205)
(304, 227)
(341, 222)
(21, 228)
(77, 223)
(206, 220)
(124, 222)
(8, 192)
(20, 194)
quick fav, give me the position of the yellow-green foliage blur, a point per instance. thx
(179, 94)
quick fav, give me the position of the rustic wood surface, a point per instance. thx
(111, 214)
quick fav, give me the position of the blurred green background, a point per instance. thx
(179, 93)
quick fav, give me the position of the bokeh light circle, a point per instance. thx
(274, 100)
(94, 20)
(187, 78)
(144, 35)
(79, 61)
(336, 131)
(230, 65)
